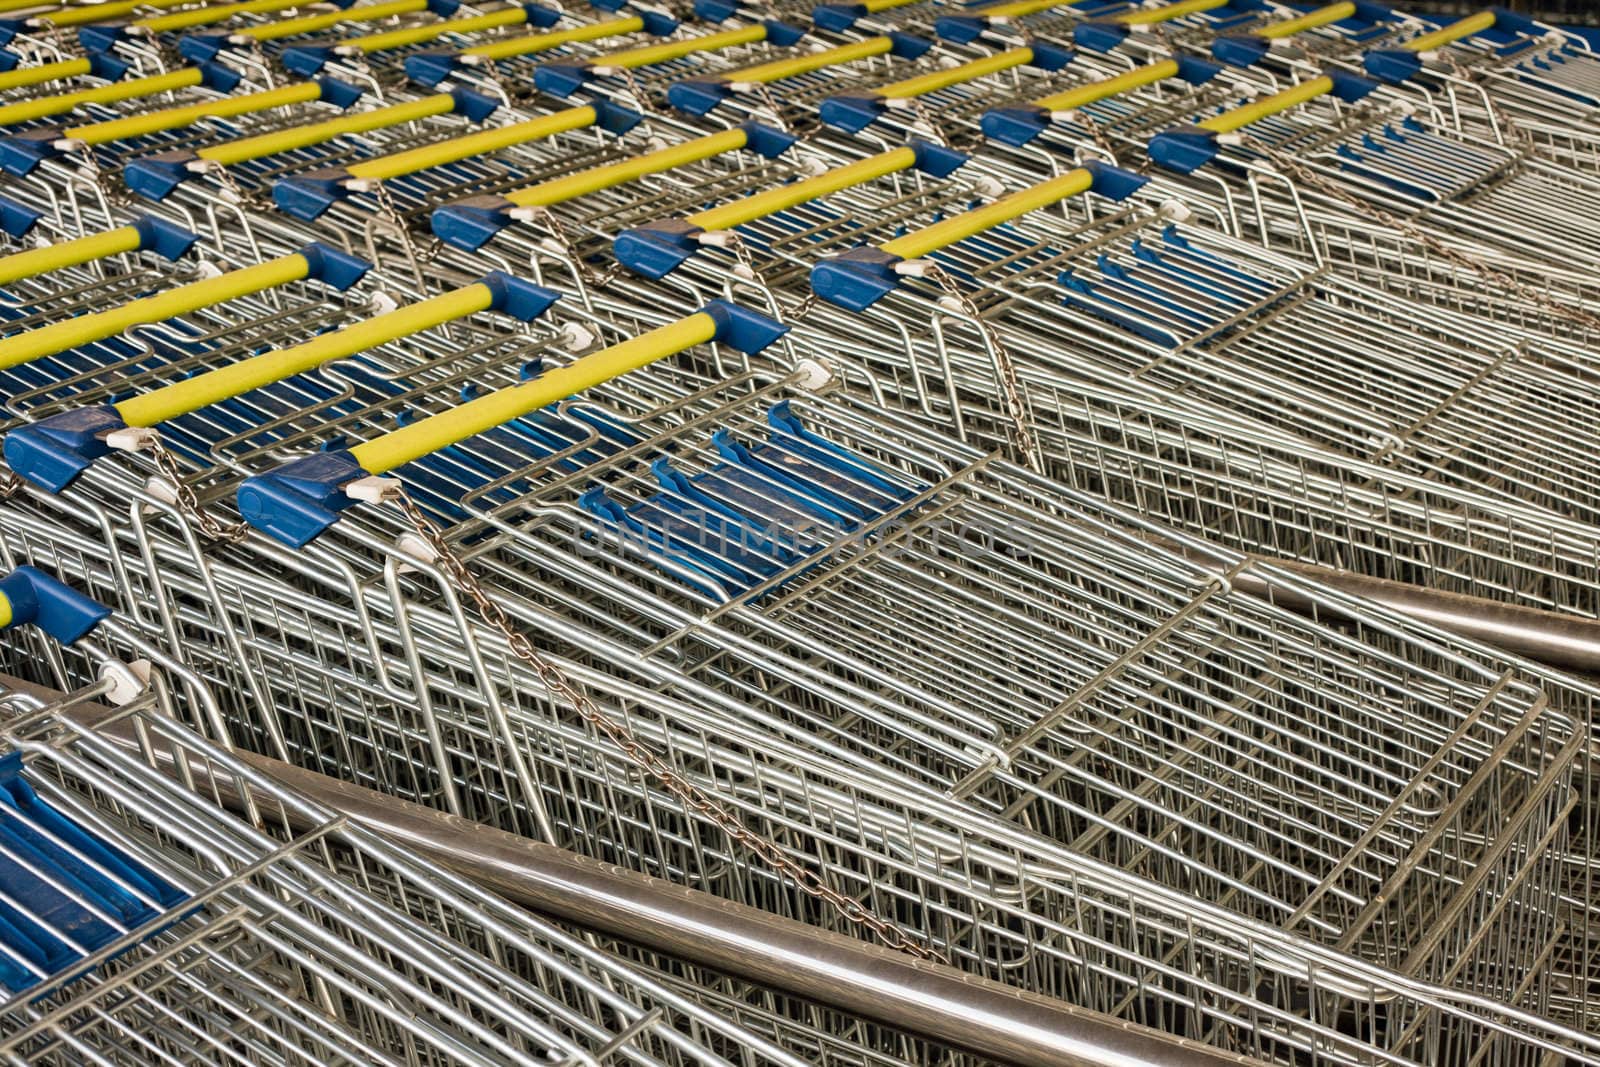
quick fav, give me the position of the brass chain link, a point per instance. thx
(741, 251)
(11, 483)
(189, 504)
(590, 276)
(1488, 271)
(559, 685)
(1021, 433)
(1096, 131)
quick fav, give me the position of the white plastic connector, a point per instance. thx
(68, 144)
(413, 545)
(373, 489)
(381, 303)
(346, 50)
(951, 303)
(209, 269)
(131, 439)
(742, 87)
(553, 246)
(812, 375)
(811, 166)
(1176, 210)
(162, 490)
(577, 338)
(989, 187)
(606, 71)
(1232, 139)
(474, 61)
(717, 238)
(128, 681)
(363, 185)
(743, 272)
(915, 268)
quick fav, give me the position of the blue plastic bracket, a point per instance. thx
(539, 16)
(429, 68)
(475, 106)
(765, 141)
(711, 10)
(154, 177)
(300, 499)
(101, 38)
(743, 329)
(21, 152)
(306, 60)
(307, 196)
(52, 452)
(163, 238)
(333, 268)
(1015, 126)
(1196, 71)
(907, 45)
(522, 300)
(961, 29)
(613, 117)
(560, 79)
(50, 604)
(17, 219)
(1049, 57)
(782, 34)
(856, 279)
(1099, 36)
(837, 18)
(202, 47)
(655, 249)
(658, 23)
(936, 160)
(851, 112)
(107, 67)
(1348, 87)
(340, 94)
(9, 60)
(1184, 151)
(219, 76)
(469, 224)
(1240, 50)
(698, 96)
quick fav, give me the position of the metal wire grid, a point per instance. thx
(1021, 909)
(302, 939)
(950, 738)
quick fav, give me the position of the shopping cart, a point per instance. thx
(1321, 33)
(383, 56)
(146, 921)
(45, 33)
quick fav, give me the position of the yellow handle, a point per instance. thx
(272, 31)
(91, 13)
(270, 144)
(571, 186)
(399, 447)
(1016, 8)
(662, 53)
(37, 261)
(943, 79)
(531, 43)
(5, 611)
(69, 333)
(784, 197)
(875, 6)
(172, 118)
(1151, 16)
(410, 35)
(44, 72)
(959, 227)
(1458, 29)
(792, 68)
(1240, 117)
(481, 143)
(235, 379)
(1322, 16)
(1083, 95)
(28, 110)
(206, 16)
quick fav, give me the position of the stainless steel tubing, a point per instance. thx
(928, 999)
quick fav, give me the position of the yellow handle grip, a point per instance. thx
(235, 379)
(875, 6)
(92, 13)
(410, 35)
(172, 118)
(1016, 8)
(943, 79)
(44, 72)
(1154, 15)
(662, 53)
(69, 333)
(270, 144)
(783, 197)
(959, 227)
(779, 69)
(272, 31)
(210, 15)
(571, 186)
(531, 43)
(1322, 16)
(1240, 117)
(429, 435)
(1083, 95)
(44, 106)
(1457, 30)
(480, 143)
(37, 261)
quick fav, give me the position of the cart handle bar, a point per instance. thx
(431, 68)
(53, 451)
(658, 248)
(1248, 49)
(1021, 124)
(853, 112)
(860, 277)
(148, 234)
(470, 223)
(1396, 65)
(1192, 147)
(301, 499)
(306, 196)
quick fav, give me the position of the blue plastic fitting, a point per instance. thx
(333, 268)
(469, 224)
(300, 499)
(17, 219)
(430, 68)
(163, 238)
(1099, 36)
(743, 329)
(50, 604)
(52, 452)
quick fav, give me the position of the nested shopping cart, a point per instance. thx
(144, 921)
(790, 486)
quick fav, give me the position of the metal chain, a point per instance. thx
(1022, 439)
(11, 483)
(770, 102)
(183, 495)
(921, 112)
(1087, 121)
(590, 276)
(638, 91)
(560, 685)
(741, 251)
(1494, 275)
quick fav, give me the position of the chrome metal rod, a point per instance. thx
(929, 1000)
